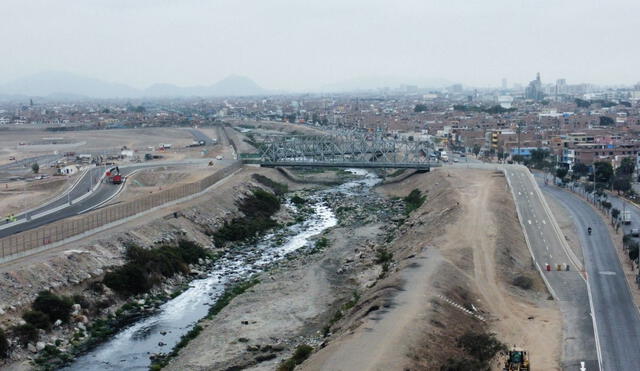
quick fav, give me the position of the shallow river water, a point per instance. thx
(158, 333)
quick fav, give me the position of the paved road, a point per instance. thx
(27, 162)
(102, 193)
(198, 135)
(617, 318)
(569, 287)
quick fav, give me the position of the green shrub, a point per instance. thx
(261, 203)
(4, 345)
(191, 252)
(26, 333)
(383, 256)
(414, 200)
(523, 282)
(38, 319)
(56, 307)
(464, 364)
(298, 201)
(145, 267)
(301, 353)
(480, 346)
(129, 279)
(287, 365)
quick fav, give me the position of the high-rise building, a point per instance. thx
(561, 86)
(534, 90)
(505, 86)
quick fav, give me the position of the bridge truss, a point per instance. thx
(345, 150)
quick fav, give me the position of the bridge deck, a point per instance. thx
(368, 165)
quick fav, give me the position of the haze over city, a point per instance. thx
(289, 45)
(319, 185)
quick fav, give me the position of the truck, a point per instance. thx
(114, 176)
(626, 217)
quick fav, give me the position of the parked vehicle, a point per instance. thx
(626, 217)
(635, 232)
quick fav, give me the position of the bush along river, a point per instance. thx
(133, 347)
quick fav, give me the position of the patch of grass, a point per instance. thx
(414, 200)
(301, 353)
(481, 347)
(229, 294)
(523, 282)
(38, 319)
(26, 333)
(278, 188)
(383, 256)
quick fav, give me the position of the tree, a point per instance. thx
(604, 172)
(538, 155)
(606, 121)
(561, 172)
(582, 103)
(622, 183)
(476, 149)
(580, 169)
(35, 168)
(420, 108)
(627, 166)
(614, 214)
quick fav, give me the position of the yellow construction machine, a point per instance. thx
(517, 360)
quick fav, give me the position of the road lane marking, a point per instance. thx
(529, 221)
(607, 273)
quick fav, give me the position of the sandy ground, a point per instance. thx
(90, 140)
(19, 196)
(471, 270)
(150, 181)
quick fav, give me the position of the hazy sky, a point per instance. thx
(301, 44)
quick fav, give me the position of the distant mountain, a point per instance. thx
(378, 82)
(229, 86)
(63, 84)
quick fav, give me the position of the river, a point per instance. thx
(131, 348)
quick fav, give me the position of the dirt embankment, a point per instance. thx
(464, 244)
(464, 247)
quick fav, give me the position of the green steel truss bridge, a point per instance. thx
(353, 150)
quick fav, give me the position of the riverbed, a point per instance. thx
(131, 348)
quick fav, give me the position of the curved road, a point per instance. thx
(59, 208)
(616, 317)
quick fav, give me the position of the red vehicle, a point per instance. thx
(113, 176)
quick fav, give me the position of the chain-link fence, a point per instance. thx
(21, 243)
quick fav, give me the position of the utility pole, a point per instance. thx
(518, 130)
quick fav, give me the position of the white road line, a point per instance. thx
(529, 221)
